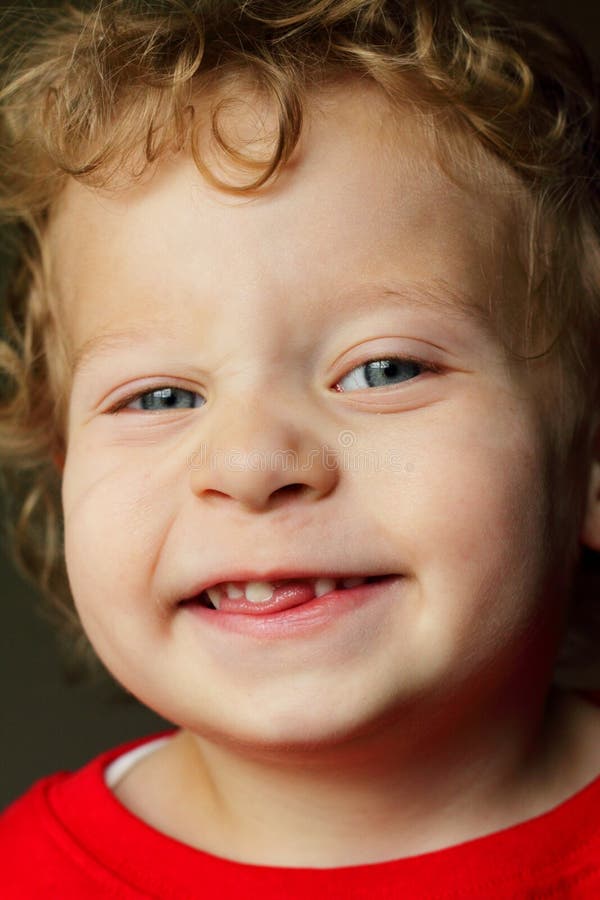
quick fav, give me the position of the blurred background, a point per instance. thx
(50, 723)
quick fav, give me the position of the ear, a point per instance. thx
(58, 458)
(590, 527)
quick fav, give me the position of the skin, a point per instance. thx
(427, 719)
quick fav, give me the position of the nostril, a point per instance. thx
(291, 488)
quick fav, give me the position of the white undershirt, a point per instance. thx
(122, 764)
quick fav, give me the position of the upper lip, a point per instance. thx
(275, 575)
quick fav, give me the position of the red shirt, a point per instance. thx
(69, 837)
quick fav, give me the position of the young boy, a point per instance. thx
(326, 475)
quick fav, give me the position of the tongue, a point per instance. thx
(293, 593)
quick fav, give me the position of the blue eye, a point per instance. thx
(389, 370)
(386, 371)
(160, 399)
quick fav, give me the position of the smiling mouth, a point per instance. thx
(258, 598)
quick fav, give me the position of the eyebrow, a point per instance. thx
(437, 295)
(109, 341)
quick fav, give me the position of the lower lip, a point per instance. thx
(307, 618)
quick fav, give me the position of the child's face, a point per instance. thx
(256, 309)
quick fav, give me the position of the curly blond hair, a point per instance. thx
(98, 94)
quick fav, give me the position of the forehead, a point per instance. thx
(363, 190)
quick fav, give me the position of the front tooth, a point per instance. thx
(324, 586)
(259, 591)
(215, 597)
(233, 591)
(353, 582)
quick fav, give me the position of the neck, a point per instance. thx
(424, 780)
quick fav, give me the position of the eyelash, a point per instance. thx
(421, 363)
(425, 366)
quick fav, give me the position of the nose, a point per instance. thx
(262, 460)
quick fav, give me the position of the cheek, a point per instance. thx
(115, 521)
(470, 518)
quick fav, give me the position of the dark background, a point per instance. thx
(48, 724)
